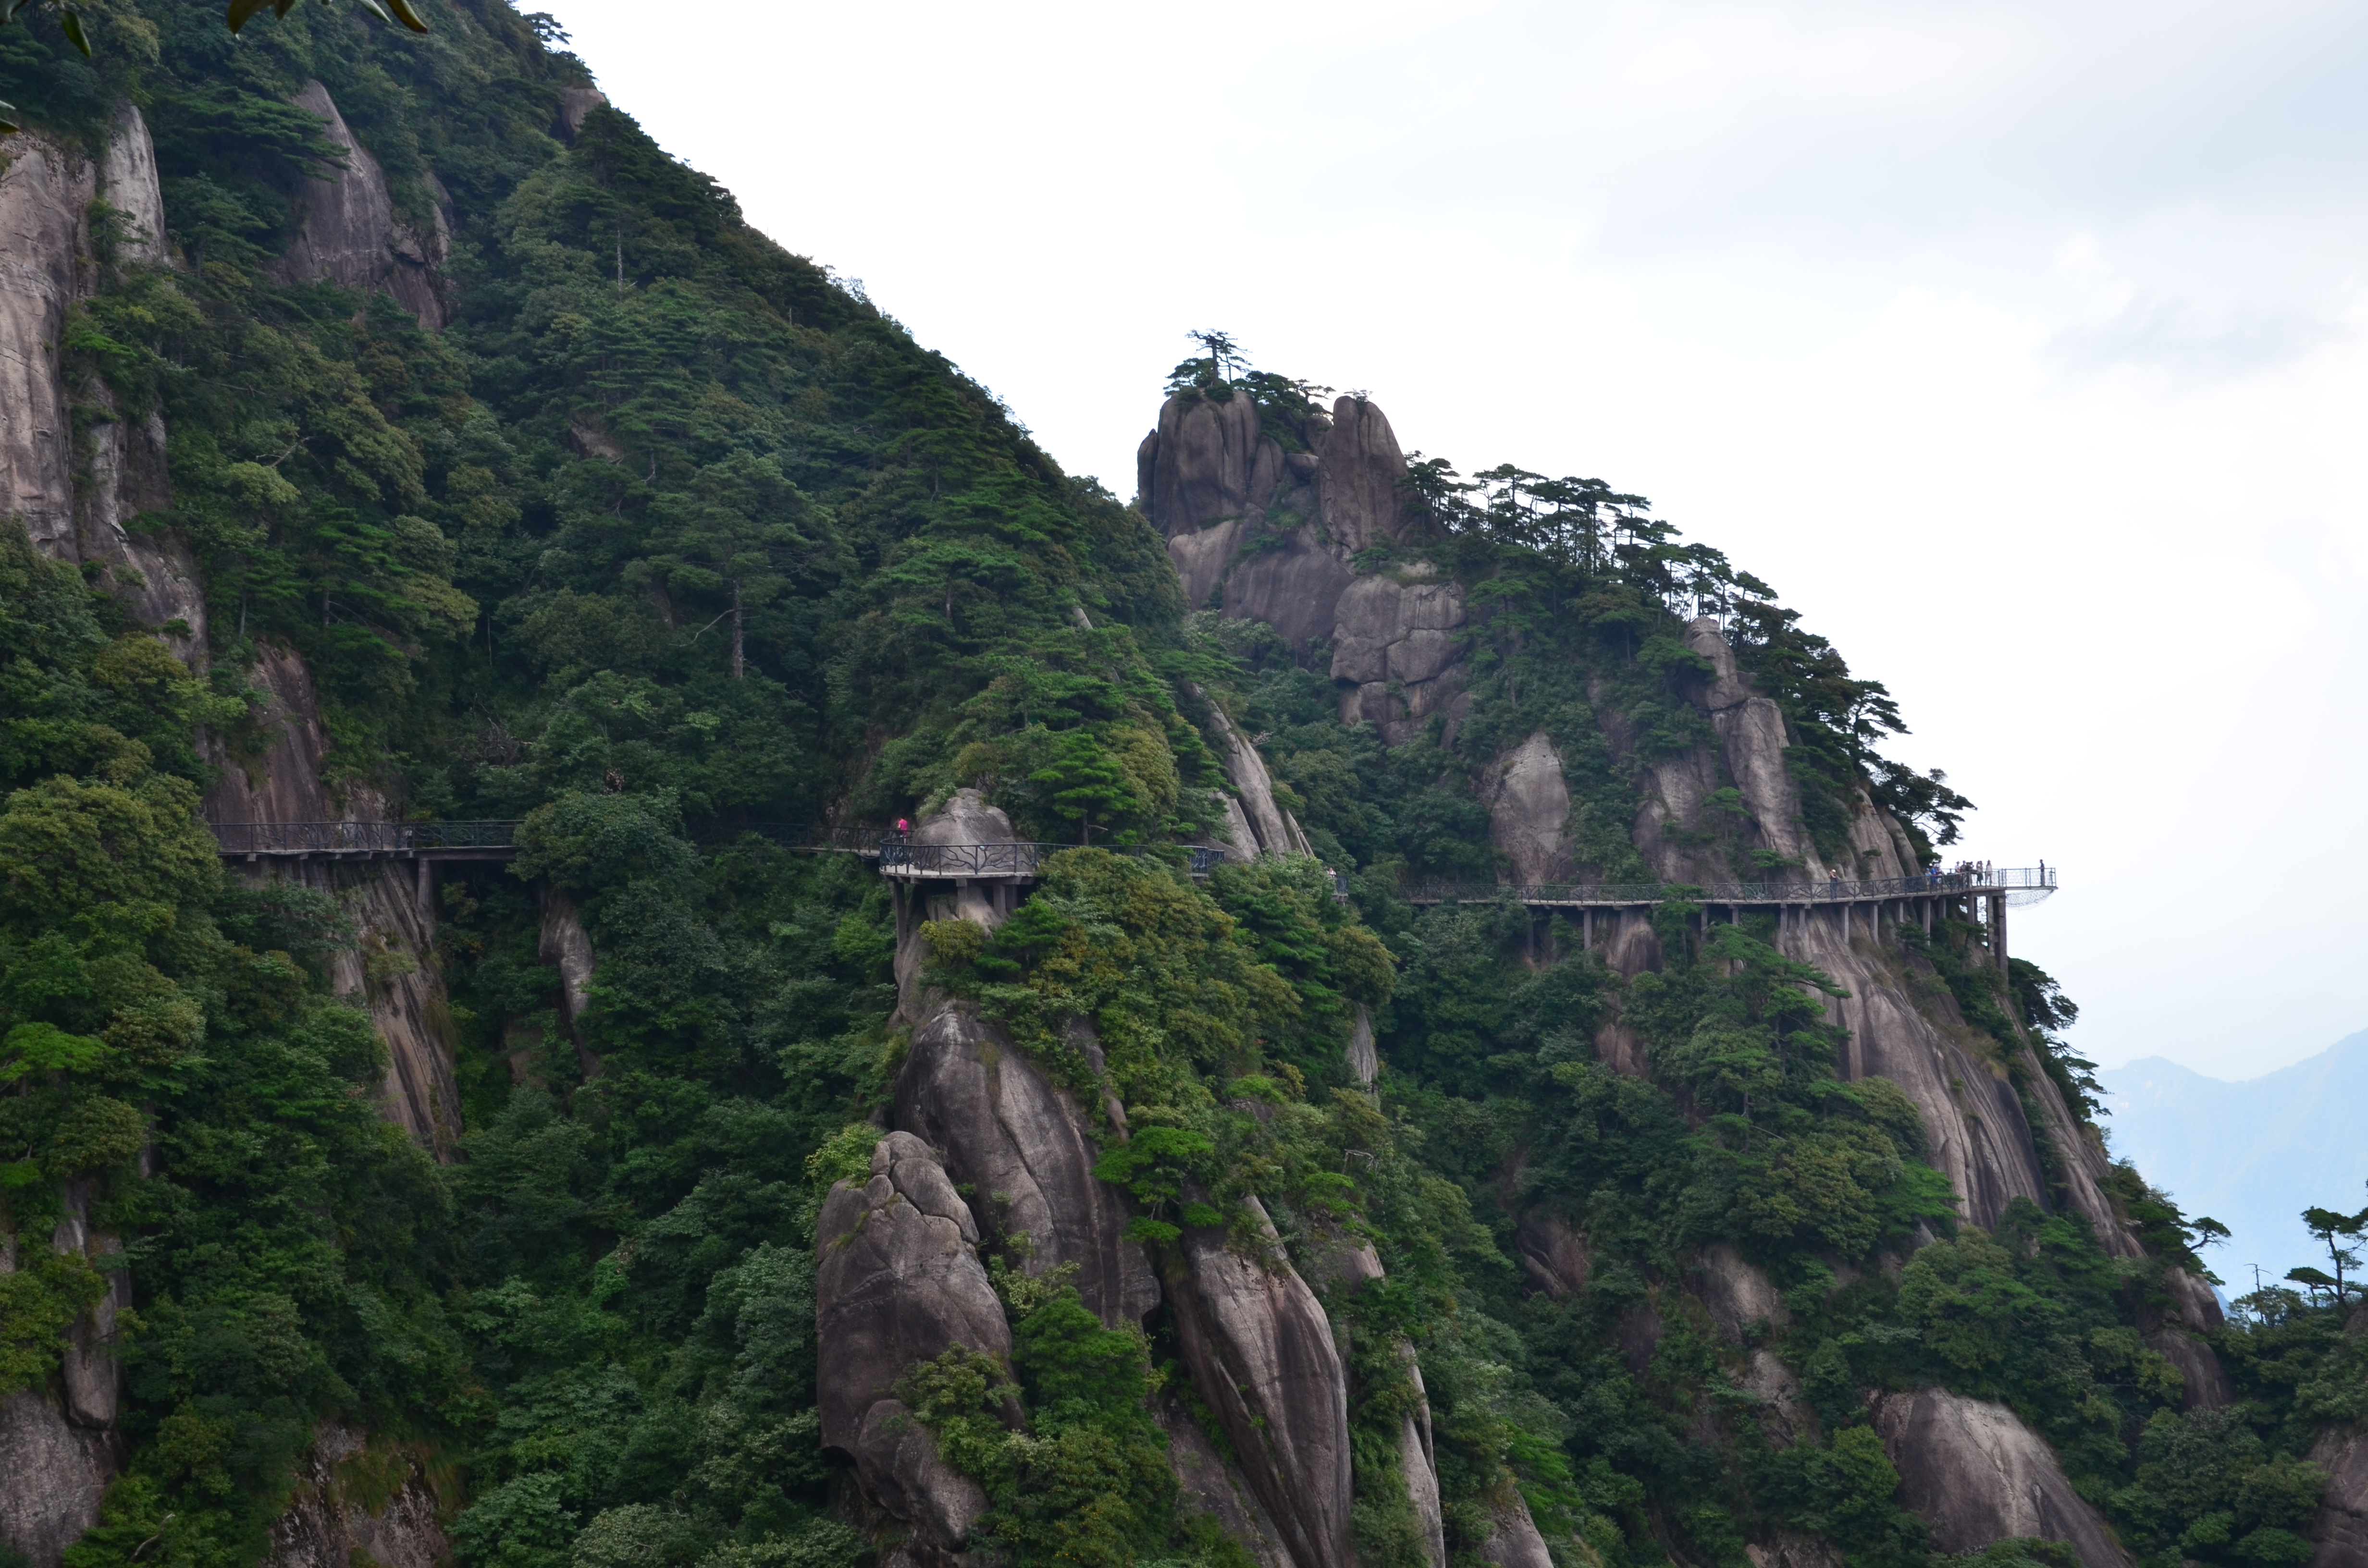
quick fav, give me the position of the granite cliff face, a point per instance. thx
(348, 232)
(79, 499)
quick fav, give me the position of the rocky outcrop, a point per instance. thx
(2207, 1384)
(280, 781)
(1786, 1417)
(88, 1372)
(331, 1521)
(1975, 1475)
(1261, 1353)
(575, 105)
(2339, 1534)
(1556, 1257)
(1266, 828)
(1359, 477)
(964, 818)
(53, 1475)
(1739, 1295)
(1394, 642)
(1791, 1550)
(1207, 1484)
(392, 971)
(1272, 536)
(45, 193)
(898, 1282)
(347, 233)
(1025, 1150)
(1364, 1061)
(1529, 811)
(1513, 1538)
(563, 944)
(1418, 1467)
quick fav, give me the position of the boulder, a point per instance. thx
(1026, 1151)
(52, 1476)
(1261, 1354)
(2340, 1532)
(1528, 808)
(1513, 1538)
(331, 1524)
(1361, 477)
(966, 818)
(896, 1282)
(1977, 1475)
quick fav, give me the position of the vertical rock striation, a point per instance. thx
(1261, 1353)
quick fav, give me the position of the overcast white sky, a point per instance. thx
(2018, 345)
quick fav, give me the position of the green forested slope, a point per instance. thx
(668, 533)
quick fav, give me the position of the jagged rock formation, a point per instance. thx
(2340, 1532)
(1261, 1353)
(1977, 1475)
(348, 232)
(1393, 640)
(1023, 1146)
(330, 1524)
(898, 1282)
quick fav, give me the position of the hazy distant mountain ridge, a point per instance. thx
(2251, 1154)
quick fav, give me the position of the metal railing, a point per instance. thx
(363, 837)
(801, 836)
(2040, 880)
(902, 858)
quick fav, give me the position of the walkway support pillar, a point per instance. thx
(427, 889)
(1997, 929)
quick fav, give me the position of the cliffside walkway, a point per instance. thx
(2020, 886)
(1983, 896)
